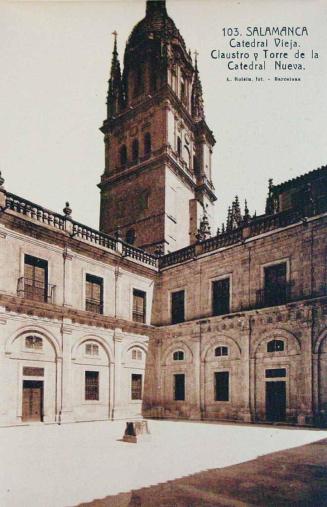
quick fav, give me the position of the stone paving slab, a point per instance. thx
(295, 477)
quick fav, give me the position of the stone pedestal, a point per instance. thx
(136, 431)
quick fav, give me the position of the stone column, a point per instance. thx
(66, 406)
(117, 401)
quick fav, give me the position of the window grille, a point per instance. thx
(221, 297)
(177, 307)
(94, 294)
(136, 387)
(139, 306)
(222, 386)
(92, 385)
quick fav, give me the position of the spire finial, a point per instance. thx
(197, 98)
(114, 91)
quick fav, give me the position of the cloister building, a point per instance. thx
(152, 315)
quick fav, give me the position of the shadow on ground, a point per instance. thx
(295, 477)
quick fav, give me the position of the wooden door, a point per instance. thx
(32, 400)
(276, 401)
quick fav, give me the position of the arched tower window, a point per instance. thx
(179, 146)
(183, 91)
(221, 351)
(275, 346)
(135, 150)
(178, 355)
(147, 143)
(153, 78)
(187, 151)
(139, 81)
(123, 155)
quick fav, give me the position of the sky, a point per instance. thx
(55, 60)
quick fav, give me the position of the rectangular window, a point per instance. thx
(139, 305)
(221, 297)
(94, 294)
(222, 386)
(276, 372)
(92, 385)
(136, 387)
(35, 278)
(179, 387)
(275, 285)
(177, 307)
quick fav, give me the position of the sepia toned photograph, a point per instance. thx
(163, 253)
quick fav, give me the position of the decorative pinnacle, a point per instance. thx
(67, 210)
(2, 180)
(115, 34)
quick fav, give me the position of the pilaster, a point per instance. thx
(66, 410)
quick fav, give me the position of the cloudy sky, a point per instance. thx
(55, 59)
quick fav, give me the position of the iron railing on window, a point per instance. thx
(273, 296)
(94, 305)
(35, 290)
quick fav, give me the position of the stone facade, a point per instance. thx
(228, 327)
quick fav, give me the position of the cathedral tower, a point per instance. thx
(157, 178)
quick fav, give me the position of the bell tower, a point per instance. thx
(158, 147)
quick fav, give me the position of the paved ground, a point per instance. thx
(296, 477)
(61, 466)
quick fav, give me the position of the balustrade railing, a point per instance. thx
(139, 255)
(222, 240)
(34, 211)
(93, 236)
(178, 256)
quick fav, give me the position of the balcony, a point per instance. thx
(35, 290)
(94, 305)
(273, 296)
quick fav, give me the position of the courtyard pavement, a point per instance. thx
(61, 466)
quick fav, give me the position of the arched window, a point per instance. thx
(275, 346)
(147, 143)
(153, 78)
(183, 91)
(136, 354)
(33, 342)
(221, 351)
(130, 236)
(92, 349)
(139, 81)
(187, 151)
(179, 146)
(123, 155)
(178, 355)
(135, 150)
